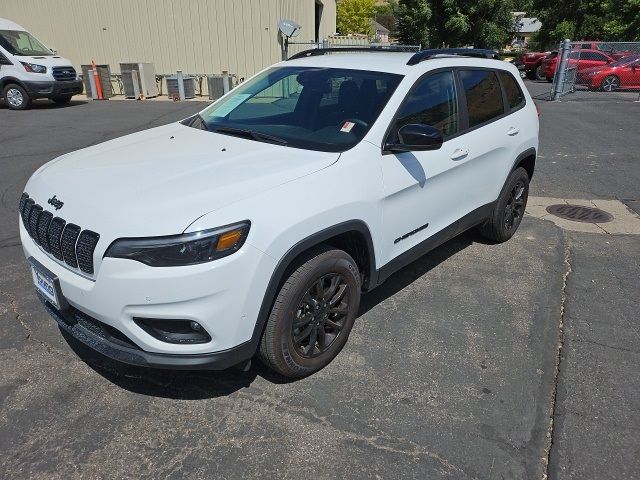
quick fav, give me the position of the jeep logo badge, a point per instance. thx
(55, 203)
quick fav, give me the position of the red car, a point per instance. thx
(614, 50)
(621, 74)
(533, 64)
(580, 59)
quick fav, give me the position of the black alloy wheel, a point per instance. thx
(313, 313)
(320, 317)
(509, 208)
(514, 209)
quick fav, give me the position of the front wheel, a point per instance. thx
(313, 314)
(16, 97)
(509, 209)
(610, 83)
(539, 73)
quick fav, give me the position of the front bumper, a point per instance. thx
(50, 89)
(89, 332)
(224, 296)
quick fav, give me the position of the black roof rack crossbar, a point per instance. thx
(466, 52)
(314, 52)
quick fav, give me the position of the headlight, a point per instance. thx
(185, 249)
(33, 68)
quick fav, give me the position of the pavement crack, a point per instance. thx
(13, 305)
(558, 364)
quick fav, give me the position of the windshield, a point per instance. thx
(625, 61)
(325, 109)
(18, 42)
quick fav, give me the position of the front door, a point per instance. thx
(422, 189)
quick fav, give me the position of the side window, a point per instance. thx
(432, 102)
(484, 96)
(586, 46)
(515, 97)
(599, 56)
(4, 60)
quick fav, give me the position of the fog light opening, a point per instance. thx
(177, 331)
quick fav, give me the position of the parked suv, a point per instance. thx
(29, 70)
(256, 225)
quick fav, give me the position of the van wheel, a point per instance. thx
(62, 100)
(509, 209)
(313, 314)
(16, 97)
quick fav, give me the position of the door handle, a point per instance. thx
(513, 131)
(459, 154)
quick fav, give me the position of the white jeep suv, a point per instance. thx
(255, 225)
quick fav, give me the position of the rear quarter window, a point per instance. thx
(483, 95)
(513, 92)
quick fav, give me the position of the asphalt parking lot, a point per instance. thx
(479, 361)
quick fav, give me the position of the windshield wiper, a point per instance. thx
(252, 134)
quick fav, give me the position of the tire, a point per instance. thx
(610, 84)
(16, 97)
(62, 100)
(531, 75)
(509, 209)
(321, 295)
(539, 73)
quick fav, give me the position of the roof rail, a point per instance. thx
(314, 52)
(466, 52)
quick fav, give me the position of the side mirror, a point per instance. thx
(416, 137)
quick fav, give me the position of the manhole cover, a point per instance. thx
(579, 213)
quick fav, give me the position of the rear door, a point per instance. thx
(489, 138)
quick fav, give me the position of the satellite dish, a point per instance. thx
(289, 28)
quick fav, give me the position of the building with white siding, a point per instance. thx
(195, 36)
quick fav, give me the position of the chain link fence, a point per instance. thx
(588, 69)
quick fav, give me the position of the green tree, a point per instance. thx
(412, 27)
(608, 20)
(480, 23)
(354, 16)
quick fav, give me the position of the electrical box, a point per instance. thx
(140, 75)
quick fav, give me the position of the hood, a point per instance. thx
(46, 60)
(159, 181)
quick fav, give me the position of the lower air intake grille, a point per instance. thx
(65, 241)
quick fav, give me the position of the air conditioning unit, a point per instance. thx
(189, 87)
(104, 77)
(216, 87)
(140, 75)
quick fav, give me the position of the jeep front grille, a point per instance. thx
(65, 241)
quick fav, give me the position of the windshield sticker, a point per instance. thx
(347, 126)
(230, 105)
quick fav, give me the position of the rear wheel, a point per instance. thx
(313, 314)
(539, 73)
(62, 100)
(610, 83)
(509, 209)
(16, 97)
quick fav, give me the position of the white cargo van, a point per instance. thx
(29, 70)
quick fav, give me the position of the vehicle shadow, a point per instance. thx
(42, 104)
(203, 384)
